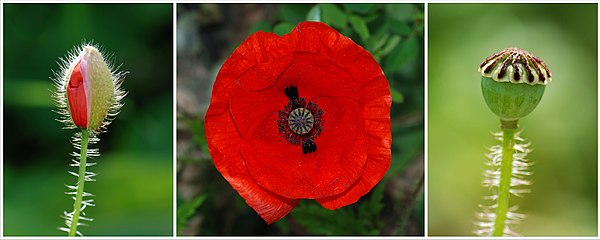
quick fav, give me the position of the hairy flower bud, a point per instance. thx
(88, 91)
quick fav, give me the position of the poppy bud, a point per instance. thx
(513, 83)
(88, 90)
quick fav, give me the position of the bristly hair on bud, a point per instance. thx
(100, 94)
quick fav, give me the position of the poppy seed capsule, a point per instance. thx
(513, 83)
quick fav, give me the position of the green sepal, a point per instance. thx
(102, 87)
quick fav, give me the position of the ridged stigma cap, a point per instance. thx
(515, 65)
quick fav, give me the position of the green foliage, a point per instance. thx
(361, 8)
(283, 28)
(404, 52)
(293, 13)
(360, 219)
(360, 26)
(197, 126)
(260, 26)
(396, 96)
(186, 210)
(314, 14)
(401, 12)
(332, 15)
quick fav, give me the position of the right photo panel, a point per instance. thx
(512, 120)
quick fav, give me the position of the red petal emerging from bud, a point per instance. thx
(77, 98)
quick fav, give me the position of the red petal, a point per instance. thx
(375, 111)
(224, 144)
(263, 94)
(77, 99)
(313, 37)
(338, 162)
(224, 140)
(318, 37)
(251, 52)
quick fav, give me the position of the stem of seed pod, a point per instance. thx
(85, 135)
(509, 128)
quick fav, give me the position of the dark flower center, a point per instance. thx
(300, 122)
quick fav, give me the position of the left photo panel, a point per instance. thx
(88, 120)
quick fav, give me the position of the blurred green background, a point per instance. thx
(563, 129)
(134, 183)
(208, 34)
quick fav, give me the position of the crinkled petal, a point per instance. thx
(314, 37)
(224, 140)
(375, 113)
(224, 146)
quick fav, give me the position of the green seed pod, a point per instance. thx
(513, 83)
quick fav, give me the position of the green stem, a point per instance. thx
(80, 182)
(508, 142)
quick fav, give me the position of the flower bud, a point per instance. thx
(88, 90)
(513, 83)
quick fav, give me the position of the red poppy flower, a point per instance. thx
(305, 115)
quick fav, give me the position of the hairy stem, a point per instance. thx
(80, 183)
(508, 142)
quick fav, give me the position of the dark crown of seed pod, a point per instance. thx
(515, 65)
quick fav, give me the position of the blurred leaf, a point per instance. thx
(370, 210)
(314, 14)
(187, 210)
(403, 52)
(332, 15)
(407, 143)
(390, 45)
(376, 42)
(371, 17)
(283, 28)
(283, 226)
(359, 26)
(399, 27)
(197, 128)
(260, 26)
(419, 212)
(396, 96)
(320, 221)
(293, 13)
(362, 218)
(361, 8)
(401, 12)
